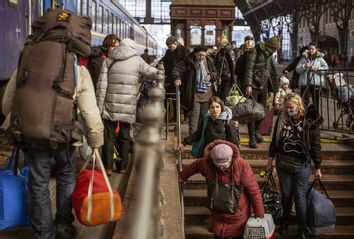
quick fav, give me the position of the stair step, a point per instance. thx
(328, 166)
(339, 198)
(331, 182)
(198, 214)
(329, 151)
(204, 232)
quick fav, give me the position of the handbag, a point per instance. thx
(93, 199)
(13, 194)
(234, 97)
(321, 213)
(289, 164)
(248, 111)
(224, 198)
(271, 198)
(198, 146)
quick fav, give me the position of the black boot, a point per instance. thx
(259, 138)
(253, 142)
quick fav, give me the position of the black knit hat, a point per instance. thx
(170, 40)
(199, 48)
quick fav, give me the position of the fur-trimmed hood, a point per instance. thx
(318, 54)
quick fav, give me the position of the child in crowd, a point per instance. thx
(282, 92)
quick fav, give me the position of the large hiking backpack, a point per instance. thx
(43, 106)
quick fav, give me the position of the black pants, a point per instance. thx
(314, 92)
(224, 89)
(109, 140)
(124, 143)
(261, 97)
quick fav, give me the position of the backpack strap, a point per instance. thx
(110, 66)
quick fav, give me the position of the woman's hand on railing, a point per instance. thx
(180, 147)
(178, 82)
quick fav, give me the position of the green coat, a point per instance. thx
(259, 70)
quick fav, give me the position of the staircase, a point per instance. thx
(338, 179)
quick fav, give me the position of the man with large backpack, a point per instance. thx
(43, 97)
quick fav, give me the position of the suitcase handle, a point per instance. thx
(96, 156)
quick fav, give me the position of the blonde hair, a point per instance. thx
(297, 100)
(222, 40)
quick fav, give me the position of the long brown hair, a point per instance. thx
(110, 40)
(216, 100)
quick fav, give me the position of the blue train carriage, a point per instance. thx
(108, 16)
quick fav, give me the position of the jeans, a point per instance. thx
(196, 115)
(295, 186)
(64, 169)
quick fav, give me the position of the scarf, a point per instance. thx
(201, 85)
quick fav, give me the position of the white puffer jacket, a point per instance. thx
(117, 89)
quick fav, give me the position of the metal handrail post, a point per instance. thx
(180, 161)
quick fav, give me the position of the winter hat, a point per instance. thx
(199, 49)
(249, 42)
(129, 43)
(221, 154)
(170, 40)
(273, 43)
(283, 80)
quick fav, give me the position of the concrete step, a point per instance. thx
(204, 232)
(330, 151)
(329, 167)
(200, 215)
(331, 182)
(339, 198)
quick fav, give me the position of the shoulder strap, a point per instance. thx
(110, 66)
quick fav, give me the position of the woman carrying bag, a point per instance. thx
(217, 124)
(223, 167)
(295, 142)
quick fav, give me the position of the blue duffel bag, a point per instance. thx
(321, 212)
(13, 194)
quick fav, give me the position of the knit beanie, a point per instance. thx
(221, 154)
(283, 80)
(273, 43)
(170, 40)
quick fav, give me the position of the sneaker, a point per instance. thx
(64, 231)
(259, 138)
(253, 142)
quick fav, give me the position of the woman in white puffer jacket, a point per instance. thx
(116, 95)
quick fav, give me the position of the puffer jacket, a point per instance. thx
(117, 87)
(316, 77)
(227, 225)
(225, 63)
(86, 104)
(259, 65)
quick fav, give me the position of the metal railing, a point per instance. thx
(180, 161)
(148, 157)
(336, 112)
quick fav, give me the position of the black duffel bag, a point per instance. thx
(248, 111)
(271, 198)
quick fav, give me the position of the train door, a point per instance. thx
(14, 28)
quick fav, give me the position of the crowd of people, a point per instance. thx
(107, 84)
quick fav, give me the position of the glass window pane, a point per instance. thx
(106, 21)
(83, 7)
(93, 15)
(196, 35)
(210, 35)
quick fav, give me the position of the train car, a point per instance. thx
(108, 16)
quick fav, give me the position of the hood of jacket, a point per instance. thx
(209, 147)
(125, 50)
(318, 54)
(226, 114)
